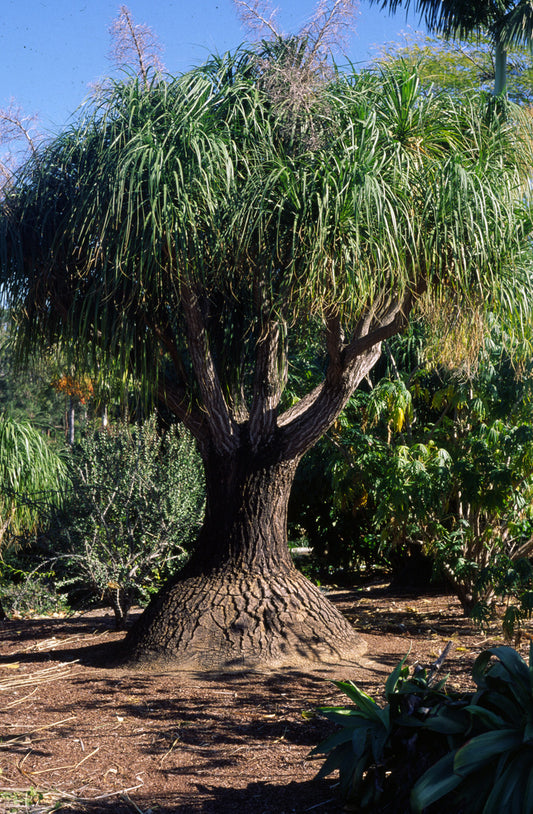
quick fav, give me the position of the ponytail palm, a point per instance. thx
(190, 232)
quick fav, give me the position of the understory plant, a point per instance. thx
(429, 749)
(131, 514)
(431, 465)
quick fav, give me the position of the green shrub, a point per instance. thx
(469, 753)
(380, 751)
(489, 772)
(131, 514)
(26, 589)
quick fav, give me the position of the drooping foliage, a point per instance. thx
(191, 193)
(28, 469)
(186, 231)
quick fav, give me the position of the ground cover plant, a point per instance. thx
(468, 752)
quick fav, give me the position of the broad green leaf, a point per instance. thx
(438, 781)
(527, 802)
(483, 748)
(338, 738)
(366, 704)
(489, 718)
(392, 680)
(509, 786)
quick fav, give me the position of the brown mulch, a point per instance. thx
(78, 736)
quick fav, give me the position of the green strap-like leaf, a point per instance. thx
(392, 680)
(484, 748)
(438, 781)
(363, 701)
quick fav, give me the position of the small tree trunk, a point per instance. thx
(500, 78)
(120, 602)
(70, 422)
(240, 601)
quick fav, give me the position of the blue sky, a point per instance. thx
(53, 49)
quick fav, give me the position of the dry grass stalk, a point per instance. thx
(52, 797)
(69, 768)
(50, 644)
(19, 700)
(24, 737)
(61, 670)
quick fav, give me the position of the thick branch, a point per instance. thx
(179, 402)
(334, 345)
(268, 386)
(325, 405)
(379, 328)
(221, 424)
(348, 365)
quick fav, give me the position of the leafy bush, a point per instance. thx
(496, 744)
(377, 751)
(431, 465)
(29, 593)
(131, 514)
(469, 753)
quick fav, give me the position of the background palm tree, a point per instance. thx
(29, 468)
(193, 230)
(508, 22)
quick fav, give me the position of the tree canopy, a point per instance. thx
(201, 214)
(507, 22)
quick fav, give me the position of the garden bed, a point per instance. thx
(92, 738)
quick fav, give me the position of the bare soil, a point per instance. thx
(79, 736)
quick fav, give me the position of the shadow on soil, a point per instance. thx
(310, 797)
(91, 640)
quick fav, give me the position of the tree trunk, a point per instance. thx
(500, 78)
(240, 601)
(70, 422)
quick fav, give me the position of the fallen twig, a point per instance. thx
(70, 768)
(32, 730)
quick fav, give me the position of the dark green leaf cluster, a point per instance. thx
(469, 752)
(430, 460)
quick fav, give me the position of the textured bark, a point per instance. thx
(240, 602)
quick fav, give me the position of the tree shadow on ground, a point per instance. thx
(309, 797)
